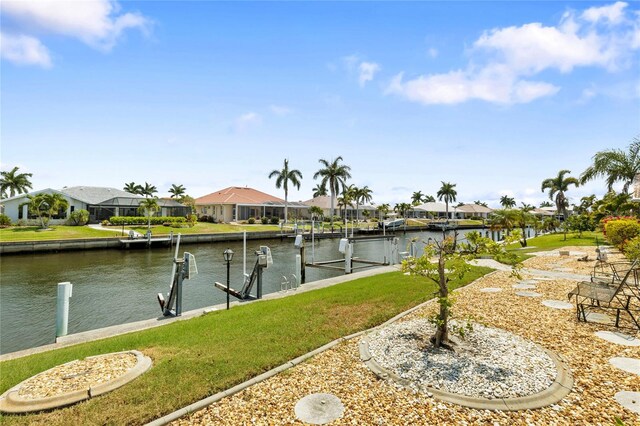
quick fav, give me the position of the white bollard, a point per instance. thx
(298, 270)
(62, 308)
(347, 258)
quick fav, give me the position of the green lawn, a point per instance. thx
(555, 241)
(200, 357)
(205, 228)
(57, 232)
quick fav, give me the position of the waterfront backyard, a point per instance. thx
(200, 357)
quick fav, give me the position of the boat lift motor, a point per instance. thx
(184, 268)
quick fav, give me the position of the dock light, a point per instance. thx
(228, 257)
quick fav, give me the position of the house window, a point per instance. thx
(20, 212)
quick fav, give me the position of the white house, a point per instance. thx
(101, 202)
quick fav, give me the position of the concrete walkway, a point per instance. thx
(126, 232)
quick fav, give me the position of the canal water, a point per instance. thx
(113, 287)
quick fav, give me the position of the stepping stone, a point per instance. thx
(630, 365)
(618, 338)
(563, 269)
(629, 400)
(543, 279)
(524, 286)
(557, 304)
(490, 290)
(528, 294)
(530, 282)
(319, 408)
(600, 318)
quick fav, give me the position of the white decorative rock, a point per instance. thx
(600, 318)
(490, 290)
(524, 286)
(528, 294)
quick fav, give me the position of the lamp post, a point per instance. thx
(228, 257)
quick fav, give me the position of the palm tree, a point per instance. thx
(527, 207)
(417, 197)
(507, 202)
(148, 207)
(319, 191)
(429, 199)
(177, 191)
(46, 205)
(14, 182)
(346, 199)
(148, 190)
(133, 188)
(383, 210)
(361, 196)
(334, 175)
(558, 186)
(315, 212)
(448, 194)
(615, 165)
(283, 177)
(546, 204)
(402, 209)
(480, 203)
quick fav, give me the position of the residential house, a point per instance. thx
(467, 211)
(240, 203)
(324, 202)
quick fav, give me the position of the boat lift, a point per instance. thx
(263, 261)
(347, 247)
(183, 269)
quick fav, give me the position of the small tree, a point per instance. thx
(79, 217)
(456, 266)
(46, 205)
(316, 212)
(148, 207)
(580, 223)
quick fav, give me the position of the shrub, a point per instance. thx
(203, 218)
(632, 249)
(275, 220)
(105, 223)
(620, 231)
(191, 220)
(373, 219)
(4, 221)
(142, 220)
(79, 217)
(251, 220)
(264, 220)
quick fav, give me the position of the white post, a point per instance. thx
(384, 228)
(62, 308)
(244, 253)
(175, 257)
(345, 226)
(298, 270)
(313, 242)
(347, 258)
(387, 252)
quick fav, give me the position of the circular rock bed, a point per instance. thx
(74, 381)
(490, 368)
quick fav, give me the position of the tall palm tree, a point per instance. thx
(615, 165)
(133, 188)
(361, 196)
(334, 175)
(319, 191)
(148, 207)
(507, 202)
(46, 205)
(177, 191)
(417, 197)
(346, 199)
(448, 194)
(283, 177)
(148, 190)
(14, 182)
(558, 186)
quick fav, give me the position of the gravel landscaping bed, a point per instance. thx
(371, 401)
(552, 260)
(487, 363)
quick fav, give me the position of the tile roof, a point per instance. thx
(434, 207)
(95, 194)
(473, 208)
(238, 195)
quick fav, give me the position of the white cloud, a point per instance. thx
(505, 59)
(24, 50)
(245, 121)
(280, 110)
(97, 23)
(613, 13)
(367, 70)
(433, 52)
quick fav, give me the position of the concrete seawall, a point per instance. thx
(26, 247)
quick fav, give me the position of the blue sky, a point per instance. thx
(492, 96)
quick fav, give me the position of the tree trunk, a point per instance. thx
(332, 207)
(286, 202)
(442, 329)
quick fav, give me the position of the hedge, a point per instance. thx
(142, 220)
(620, 231)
